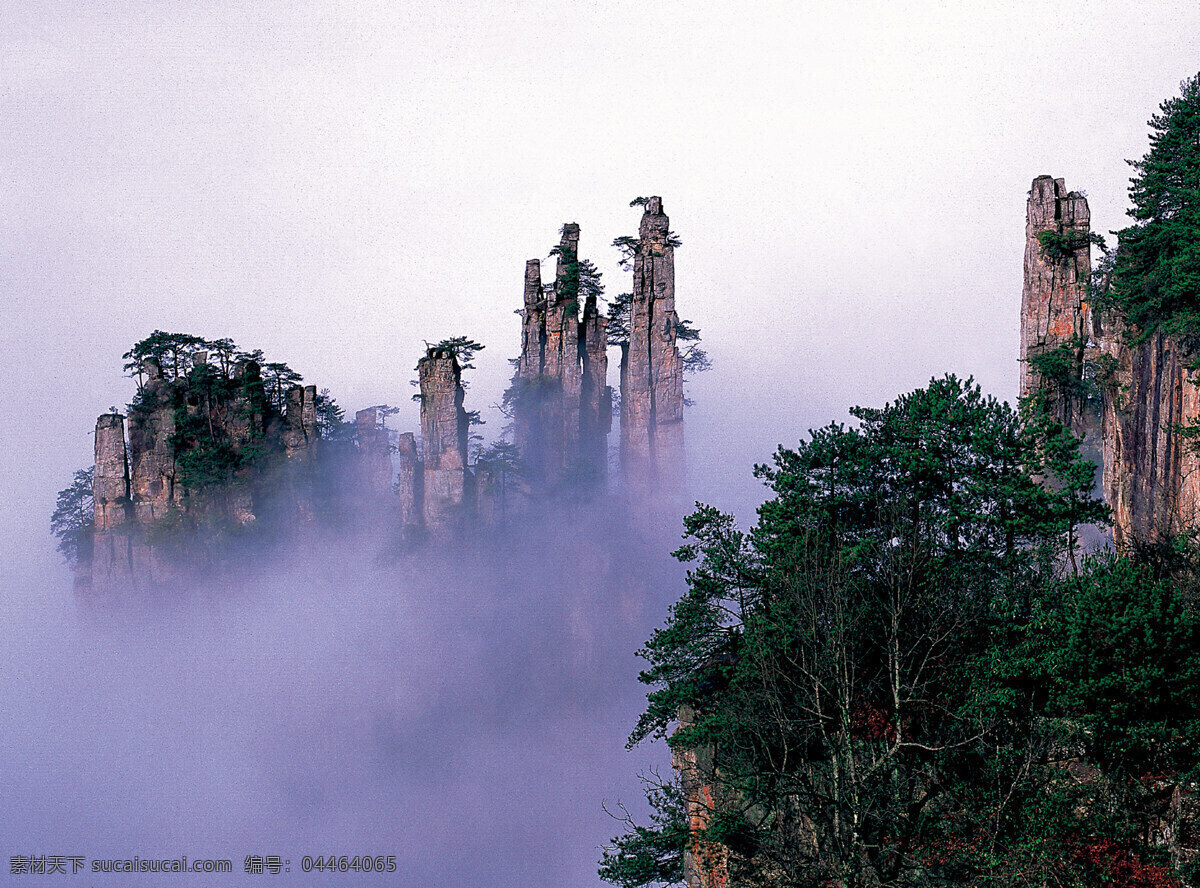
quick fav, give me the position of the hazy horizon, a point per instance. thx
(340, 182)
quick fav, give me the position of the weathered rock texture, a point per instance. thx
(410, 482)
(1054, 308)
(110, 484)
(300, 422)
(1150, 471)
(1141, 390)
(444, 430)
(374, 453)
(705, 864)
(563, 406)
(135, 542)
(652, 454)
(152, 458)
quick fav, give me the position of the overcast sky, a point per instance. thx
(337, 182)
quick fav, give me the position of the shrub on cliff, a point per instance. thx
(73, 518)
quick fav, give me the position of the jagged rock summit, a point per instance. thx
(206, 446)
(1129, 397)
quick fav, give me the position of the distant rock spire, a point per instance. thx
(563, 406)
(652, 454)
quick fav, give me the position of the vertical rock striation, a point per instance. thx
(595, 397)
(563, 407)
(444, 440)
(409, 482)
(1126, 394)
(1151, 470)
(151, 454)
(110, 557)
(374, 454)
(705, 864)
(110, 482)
(1054, 308)
(300, 422)
(652, 453)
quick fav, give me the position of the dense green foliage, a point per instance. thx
(73, 517)
(464, 349)
(906, 677)
(653, 854)
(1060, 247)
(220, 409)
(1155, 277)
(578, 280)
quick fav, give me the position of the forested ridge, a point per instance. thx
(908, 671)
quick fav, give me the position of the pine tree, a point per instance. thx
(1156, 276)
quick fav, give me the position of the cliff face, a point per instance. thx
(151, 455)
(651, 368)
(705, 864)
(1130, 395)
(1151, 480)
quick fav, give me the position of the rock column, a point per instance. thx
(563, 409)
(374, 454)
(300, 422)
(705, 864)
(1150, 475)
(110, 483)
(1054, 309)
(151, 455)
(443, 438)
(110, 562)
(409, 481)
(652, 455)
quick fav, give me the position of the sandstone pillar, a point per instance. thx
(563, 409)
(443, 439)
(652, 455)
(409, 481)
(151, 455)
(110, 482)
(1054, 310)
(705, 864)
(300, 422)
(374, 453)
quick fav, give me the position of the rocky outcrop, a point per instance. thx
(1151, 470)
(374, 454)
(705, 864)
(562, 407)
(1129, 395)
(1054, 308)
(410, 482)
(210, 445)
(300, 422)
(152, 457)
(652, 454)
(595, 396)
(109, 555)
(110, 484)
(444, 440)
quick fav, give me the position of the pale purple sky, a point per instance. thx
(335, 182)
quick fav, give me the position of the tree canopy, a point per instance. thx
(1155, 278)
(891, 670)
(74, 517)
